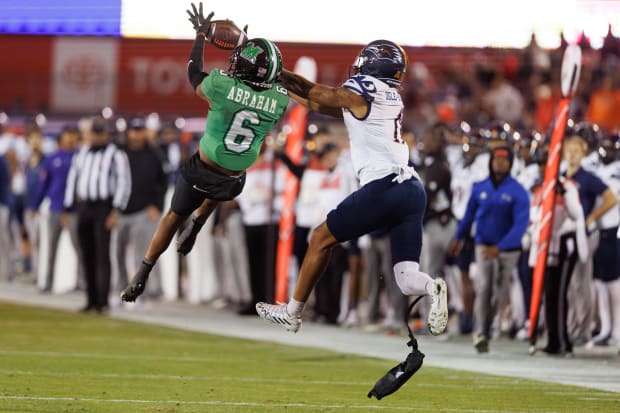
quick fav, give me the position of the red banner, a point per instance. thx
(149, 75)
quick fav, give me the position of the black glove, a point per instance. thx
(198, 20)
(399, 374)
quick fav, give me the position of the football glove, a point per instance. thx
(198, 20)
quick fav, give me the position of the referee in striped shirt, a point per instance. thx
(98, 186)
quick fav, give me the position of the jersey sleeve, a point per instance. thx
(362, 86)
(211, 85)
(596, 185)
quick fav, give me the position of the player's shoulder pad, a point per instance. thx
(362, 85)
(281, 89)
(221, 72)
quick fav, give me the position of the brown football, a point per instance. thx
(225, 34)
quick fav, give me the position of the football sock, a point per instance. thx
(294, 308)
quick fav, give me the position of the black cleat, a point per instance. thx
(137, 284)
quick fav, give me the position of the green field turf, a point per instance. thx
(55, 361)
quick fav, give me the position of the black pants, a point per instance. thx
(95, 251)
(261, 242)
(557, 279)
(329, 287)
(300, 243)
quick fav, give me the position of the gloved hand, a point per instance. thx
(200, 23)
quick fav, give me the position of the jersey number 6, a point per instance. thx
(239, 139)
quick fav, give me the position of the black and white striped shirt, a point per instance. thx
(99, 174)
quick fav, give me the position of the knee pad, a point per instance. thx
(410, 279)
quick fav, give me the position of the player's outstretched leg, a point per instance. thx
(187, 239)
(138, 283)
(277, 314)
(438, 314)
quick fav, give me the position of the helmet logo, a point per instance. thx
(251, 52)
(384, 52)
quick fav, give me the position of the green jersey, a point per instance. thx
(239, 119)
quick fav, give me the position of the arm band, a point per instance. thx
(194, 66)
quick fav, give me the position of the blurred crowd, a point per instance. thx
(479, 136)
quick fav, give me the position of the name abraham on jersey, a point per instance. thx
(249, 99)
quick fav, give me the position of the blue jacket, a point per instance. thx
(501, 214)
(55, 170)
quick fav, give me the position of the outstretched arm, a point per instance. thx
(326, 110)
(195, 64)
(320, 96)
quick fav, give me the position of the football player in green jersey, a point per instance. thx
(245, 103)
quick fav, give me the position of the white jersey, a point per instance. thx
(463, 179)
(610, 175)
(377, 147)
(307, 202)
(335, 186)
(528, 176)
(262, 191)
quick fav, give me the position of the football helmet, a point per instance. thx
(609, 150)
(589, 132)
(471, 145)
(498, 130)
(257, 62)
(382, 59)
(528, 142)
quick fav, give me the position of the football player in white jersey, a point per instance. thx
(607, 255)
(391, 194)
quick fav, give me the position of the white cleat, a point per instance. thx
(277, 314)
(438, 314)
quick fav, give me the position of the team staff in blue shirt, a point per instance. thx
(55, 169)
(499, 207)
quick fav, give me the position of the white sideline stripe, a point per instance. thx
(223, 403)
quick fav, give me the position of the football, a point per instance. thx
(225, 34)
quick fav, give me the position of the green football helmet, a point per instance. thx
(257, 61)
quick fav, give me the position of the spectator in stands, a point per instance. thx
(604, 105)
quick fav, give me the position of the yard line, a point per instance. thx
(241, 379)
(103, 356)
(252, 404)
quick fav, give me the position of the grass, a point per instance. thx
(59, 362)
